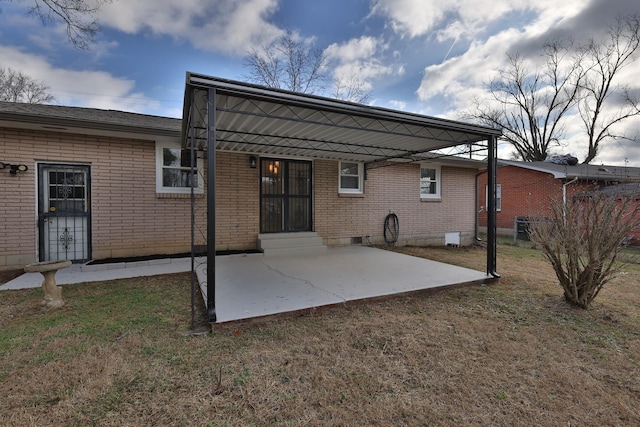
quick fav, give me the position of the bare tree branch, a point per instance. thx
(531, 107)
(77, 15)
(287, 64)
(291, 64)
(606, 58)
(351, 88)
(18, 87)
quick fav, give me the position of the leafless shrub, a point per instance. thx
(583, 239)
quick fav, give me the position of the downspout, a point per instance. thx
(475, 208)
(564, 197)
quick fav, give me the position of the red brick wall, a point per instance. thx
(525, 192)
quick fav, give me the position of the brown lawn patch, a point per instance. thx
(511, 353)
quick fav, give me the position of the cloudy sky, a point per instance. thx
(425, 56)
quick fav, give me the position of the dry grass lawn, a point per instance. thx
(506, 354)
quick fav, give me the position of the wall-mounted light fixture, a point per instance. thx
(14, 169)
(253, 162)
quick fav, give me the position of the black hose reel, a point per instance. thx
(391, 228)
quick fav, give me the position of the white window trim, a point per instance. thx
(438, 193)
(498, 197)
(160, 145)
(360, 189)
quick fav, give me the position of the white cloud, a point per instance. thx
(227, 26)
(95, 89)
(353, 50)
(458, 75)
(397, 104)
(449, 18)
(360, 58)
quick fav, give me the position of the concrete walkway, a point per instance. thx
(78, 273)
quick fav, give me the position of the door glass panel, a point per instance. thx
(67, 191)
(272, 182)
(271, 219)
(285, 191)
(299, 179)
(299, 214)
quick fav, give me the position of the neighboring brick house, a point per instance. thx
(624, 190)
(526, 189)
(108, 184)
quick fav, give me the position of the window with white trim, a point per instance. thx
(430, 182)
(173, 170)
(498, 197)
(351, 177)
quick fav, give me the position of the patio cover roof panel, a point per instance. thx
(260, 120)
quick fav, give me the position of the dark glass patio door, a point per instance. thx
(285, 196)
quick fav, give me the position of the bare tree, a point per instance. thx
(18, 87)
(529, 105)
(351, 88)
(583, 240)
(289, 64)
(77, 15)
(605, 59)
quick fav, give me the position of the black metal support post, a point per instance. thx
(192, 152)
(211, 205)
(491, 207)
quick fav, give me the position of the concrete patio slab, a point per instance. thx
(256, 285)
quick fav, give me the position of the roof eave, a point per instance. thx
(63, 124)
(556, 174)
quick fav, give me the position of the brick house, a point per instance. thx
(108, 184)
(525, 189)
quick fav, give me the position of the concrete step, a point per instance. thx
(279, 243)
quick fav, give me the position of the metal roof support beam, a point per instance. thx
(492, 146)
(211, 205)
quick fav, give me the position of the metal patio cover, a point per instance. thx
(265, 121)
(227, 115)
